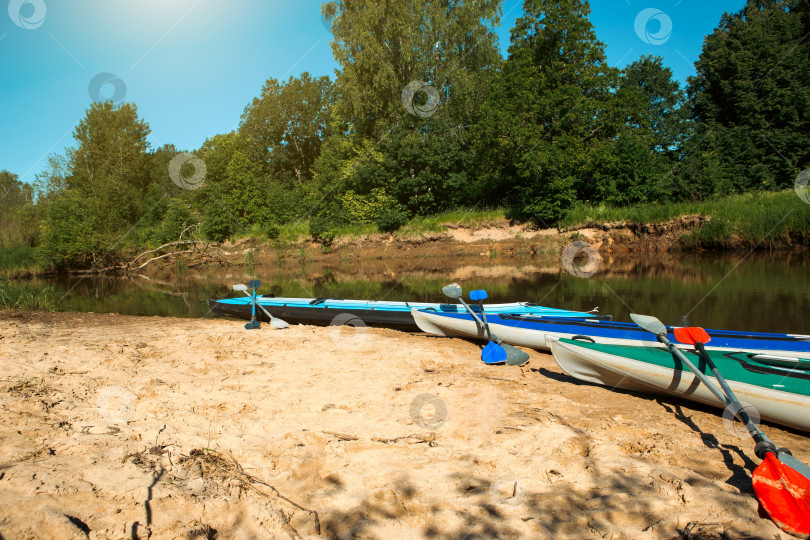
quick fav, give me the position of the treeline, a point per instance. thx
(424, 115)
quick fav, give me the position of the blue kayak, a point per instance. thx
(536, 333)
(397, 315)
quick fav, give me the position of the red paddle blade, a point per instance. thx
(784, 494)
(692, 335)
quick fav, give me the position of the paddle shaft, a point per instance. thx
(762, 442)
(261, 307)
(474, 316)
(756, 434)
(484, 316)
(699, 374)
(514, 356)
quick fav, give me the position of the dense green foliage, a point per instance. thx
(18, 215)
(751, 96)
(424, 117)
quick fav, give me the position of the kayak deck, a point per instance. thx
(397, 315)
(778, 394)
(531, 331)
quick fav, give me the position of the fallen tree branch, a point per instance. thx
(162, 257)
(170, 244)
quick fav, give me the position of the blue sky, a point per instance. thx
(192, 66)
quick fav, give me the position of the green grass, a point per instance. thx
(25, 296)
(290, 233)
(357, 229)
(767, 219)
(20, 260)
(439, 223)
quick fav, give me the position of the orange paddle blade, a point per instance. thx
(692, 335)
(784, 494)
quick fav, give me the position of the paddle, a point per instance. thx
(275, 322)
(783, 492)
(514, 356)
(492, 353)
(498, 353)
(699, 337)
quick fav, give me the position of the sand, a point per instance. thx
(129, 427)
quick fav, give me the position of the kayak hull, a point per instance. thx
(535, 333)
(396, 315)
(781, 396)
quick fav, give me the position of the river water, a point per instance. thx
(760, 291)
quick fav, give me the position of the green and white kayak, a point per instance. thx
(777, 387)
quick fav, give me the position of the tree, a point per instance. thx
(751, 94)
(411, 82)
(382, 47)
(18, 224)
(636, 165)
(108, 164)
(286, 125)
(430, 170)
(654, 105)
(93, 196)
(234, 194)
(547, 112)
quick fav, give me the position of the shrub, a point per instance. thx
(178, 216)
(368, 208)
(323, 228)
(217, 225)
(392, 220)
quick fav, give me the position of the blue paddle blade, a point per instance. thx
(254, 284)
(253, 325)
(493, 354)
(478, 295)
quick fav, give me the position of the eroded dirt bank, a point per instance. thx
(498, 240)
(127, 427)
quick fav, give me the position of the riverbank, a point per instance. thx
(740, 223)
(118, 426)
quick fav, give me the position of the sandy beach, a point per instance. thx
(130, 427)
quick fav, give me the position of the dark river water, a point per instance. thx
(760, 291)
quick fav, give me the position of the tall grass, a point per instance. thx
(766, 219)
(25, 296)
(292, 232)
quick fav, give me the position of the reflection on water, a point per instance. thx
(761, 292)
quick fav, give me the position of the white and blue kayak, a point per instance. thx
(525, 330)
(397, 315)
